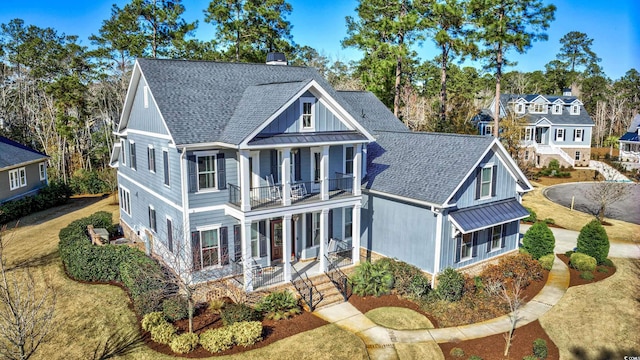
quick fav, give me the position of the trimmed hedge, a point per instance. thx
(593, 241)
(54, 194)
(582, 262)
(538, 240)
(216, 340)
(547, 261)
(450, 285)
(185, 343)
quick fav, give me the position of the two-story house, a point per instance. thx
(556, 127)
(630, 142)
(23, 171)
(268, 169)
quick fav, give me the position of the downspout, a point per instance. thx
(438, 247)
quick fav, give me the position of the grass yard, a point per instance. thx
(578, 175)
(87, 316)
(399, 318)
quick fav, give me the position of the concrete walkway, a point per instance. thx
(380, 341)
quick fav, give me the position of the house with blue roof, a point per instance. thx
(266, 175)
(630, 142)
(555, 127)
(23, 171)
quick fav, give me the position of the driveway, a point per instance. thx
(627, 209)
(567, 240)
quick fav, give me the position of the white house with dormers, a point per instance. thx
(630, 142)
(557, 127)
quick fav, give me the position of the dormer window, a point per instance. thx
(538, 108)
(575, 109)
(306, 110)
(557, 109)
(520, 108)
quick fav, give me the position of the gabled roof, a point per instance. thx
(13, 154)
(632, 131)
(394, 167)
(371, 112)
(207, 102)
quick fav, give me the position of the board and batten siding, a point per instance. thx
(216, 197)
(398, 230)
(505, 185)
(145, 118)
(290, 120)
(450, 245)
(336, 160)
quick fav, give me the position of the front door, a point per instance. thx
(276, 239)
(316, 156)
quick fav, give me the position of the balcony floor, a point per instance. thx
(297, 200)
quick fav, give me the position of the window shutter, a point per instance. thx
(478, 182)
(556, 135)
(224, 245)
(222, 176)
(309, 222)
(297, 166)
(262, 225)
(574, 134)
(165, 159)
(331, 224)
(458, 247)
(237, 243)
(170, 235)
(274, 165)
(503, 240)
(193, 173)
(489, 239)
(494, 178)
(474, 244)
(195, 250)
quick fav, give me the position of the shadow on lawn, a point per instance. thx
(120, 343)
(42, 260)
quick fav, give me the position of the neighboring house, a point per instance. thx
(630, 142)
(249, 168)
(557, 127)
(23, 171)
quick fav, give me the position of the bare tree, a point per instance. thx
(604, 193)
(26, 310)
(511, 293)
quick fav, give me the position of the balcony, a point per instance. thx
(264, 197)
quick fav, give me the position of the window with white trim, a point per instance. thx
(577, 157)
(206, 172)
(466, 245)
(538, 108)
(315, 230)
(151, 158)
(152, 219)
(17, 178)
(210, 248)
(255, 239)
(125, 201)
(520, 108)
(526, 154)
(123, 157)
(132, 154)
(528, 134)
(578, 135)
(488, 130)
(486, 179)
(348, 160)
(43, 171)
(496, 238)
(575, 109)
(557, 109)
(559, 134)
(348, 222)
(306, 110)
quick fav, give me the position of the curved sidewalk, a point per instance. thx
(380, 341)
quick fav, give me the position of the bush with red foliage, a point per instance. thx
(521, 266)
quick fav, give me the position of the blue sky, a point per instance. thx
(321, 25)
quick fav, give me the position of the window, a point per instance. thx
(307, 113)
(348, 160)
(17, 178)
(348, 222)
(538, 108)
(520, 109)
(526, 154)
(557, 109)
(124, 154)
(165, 164)
(313, 237)
(496, 238)
(255, 240)
(488, 130)
(575, 109)
(206, 172)
(151, 157)
(43, 171)
(170, 234)
(132, 154)
(152, 219)
(577, 135)
(528, 134)
(465, 247)
(577, 158)
(146, 96)
(125, 201)
(485, 181)
(209, 248)
(559, 134)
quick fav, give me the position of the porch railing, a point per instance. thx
(234, 194)
(308, 292)
(339, 278)
(343, 183)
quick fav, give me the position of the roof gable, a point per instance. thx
(13, 154)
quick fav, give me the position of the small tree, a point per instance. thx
(539, 240)
(593, 241)
(605, 193)
(512, 295)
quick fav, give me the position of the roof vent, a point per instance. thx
(566, 92)
(276, 58)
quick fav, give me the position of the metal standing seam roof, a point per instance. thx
(632, 131)
(309, 138)
(13, 153)
(484, 216)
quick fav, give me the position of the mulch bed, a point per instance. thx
(597, 275)
(272, 331)
(492, 347)
(367, 303)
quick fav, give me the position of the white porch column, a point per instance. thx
(245, 191)
(286, 176)
(357, 169)
(324, 234)
(245, 238)
(355, 233)
(286, 246)
(438, 249)
(324, 174)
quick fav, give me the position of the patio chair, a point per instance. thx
(298, 190)
(274, 190)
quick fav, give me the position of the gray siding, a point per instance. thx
(399, 230)
(220, 197)
(289, 121)
(569, 134)
(505, 185)
(145, 119)
(33, 183)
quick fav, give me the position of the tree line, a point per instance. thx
(65, 99)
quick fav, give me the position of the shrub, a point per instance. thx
(279, 305)
(540, 349)
(152, 320)
(529, 357)
(607, 262)
(163, 333)
(175, 308)
(419, 286)
(456, 352)
(372, 279)
(246, 333)
(233, 313)
(450, 285)
(546, 261)
(593, 241)
(146, 285)
(549, 221)
(184, 343)
(569, 253)
(539, 240)
(582, 262)
(54, 194)
(520, 266)
(586, 275)
(603, 270)
(554, 164)
(216, 306)
(474, 357)
(532, 216)
(216, 340)
(403, 274)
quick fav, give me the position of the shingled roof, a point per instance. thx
(13, 154)
(371, 112)
(564, 118)
(422, 166)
